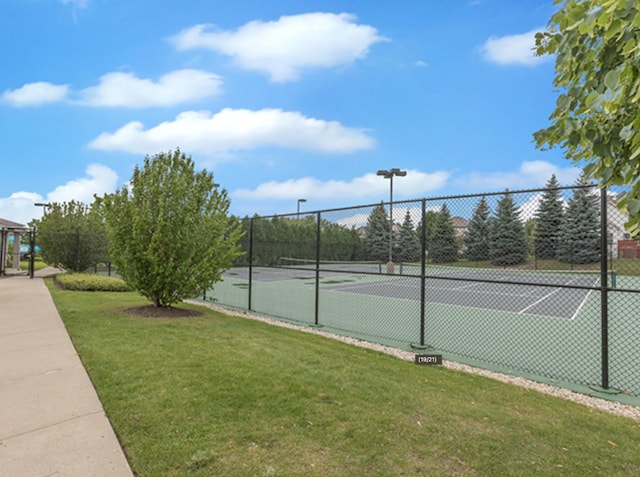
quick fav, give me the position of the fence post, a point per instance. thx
(317, 305)
(32, 253)
(423, 272)
(604, 289)
(423, 279)
(250, 263)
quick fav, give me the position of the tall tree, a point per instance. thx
(530, 235)
(597, 115)
(548, 220)
(408, 249)
(444, 248)
(477, 236)
(429, 221)
(508, 244)
(579, 238)
(169, 229)
(72, 236)
(376, 238)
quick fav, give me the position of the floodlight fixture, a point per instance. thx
(299, 202)
(388, 174)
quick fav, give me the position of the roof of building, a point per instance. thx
(10, 225)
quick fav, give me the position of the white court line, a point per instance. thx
(469, 287)
(544, 297)
(583, 302)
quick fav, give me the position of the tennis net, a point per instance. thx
(329, 265)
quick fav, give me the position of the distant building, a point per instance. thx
(620, 243)
(10, 229)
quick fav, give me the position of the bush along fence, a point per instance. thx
(542, 283)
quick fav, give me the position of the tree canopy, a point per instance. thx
(548, 220)
(579, 234)
(376, 239)
(508, 244)
(597, 67)
(169, 229)
(443, 248)
(408, 246)
(477, 235)
(72, 236)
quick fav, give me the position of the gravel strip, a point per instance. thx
(589, 401)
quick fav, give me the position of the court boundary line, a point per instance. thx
(543, 298)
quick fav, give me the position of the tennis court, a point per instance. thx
(534, 299)
(537, 293)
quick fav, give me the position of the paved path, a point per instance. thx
(51, 421)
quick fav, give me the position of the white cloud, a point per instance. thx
(232, 130)
(127, 90)
(124, 90)
(36, 94)
(531, 174)
(19, 206)
(367, 187)
(99, 180)
(287, 46)
(513, 49)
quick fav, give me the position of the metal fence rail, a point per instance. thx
(569, 314)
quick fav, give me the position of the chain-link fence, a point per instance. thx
(75, 251)
(540, 282)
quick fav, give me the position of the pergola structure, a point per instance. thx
(7, 229)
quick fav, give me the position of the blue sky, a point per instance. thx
(282, 100)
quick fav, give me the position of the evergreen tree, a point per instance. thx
(430, 219)
(444, 248)
(477, 236)
(376, 239)
(508, 244)
(548, 221)
(530, 234)
(408, 249)
(579, 237)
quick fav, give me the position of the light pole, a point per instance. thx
(388, 174)
(44, 206)
(299, 201)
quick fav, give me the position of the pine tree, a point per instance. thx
(376, 239)
(444, 248)
(508, 244)
(430, 219)
(408, 249)
(579, 237)
(549, 218)
(477, 237)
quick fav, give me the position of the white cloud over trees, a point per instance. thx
(231, 130)
(530, 174)
(367, 187)
(99, 179)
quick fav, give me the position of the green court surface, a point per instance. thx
(553, 335)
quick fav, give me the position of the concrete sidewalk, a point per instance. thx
(51, 420)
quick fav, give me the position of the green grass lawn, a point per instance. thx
(37, 264)
(221, 395)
